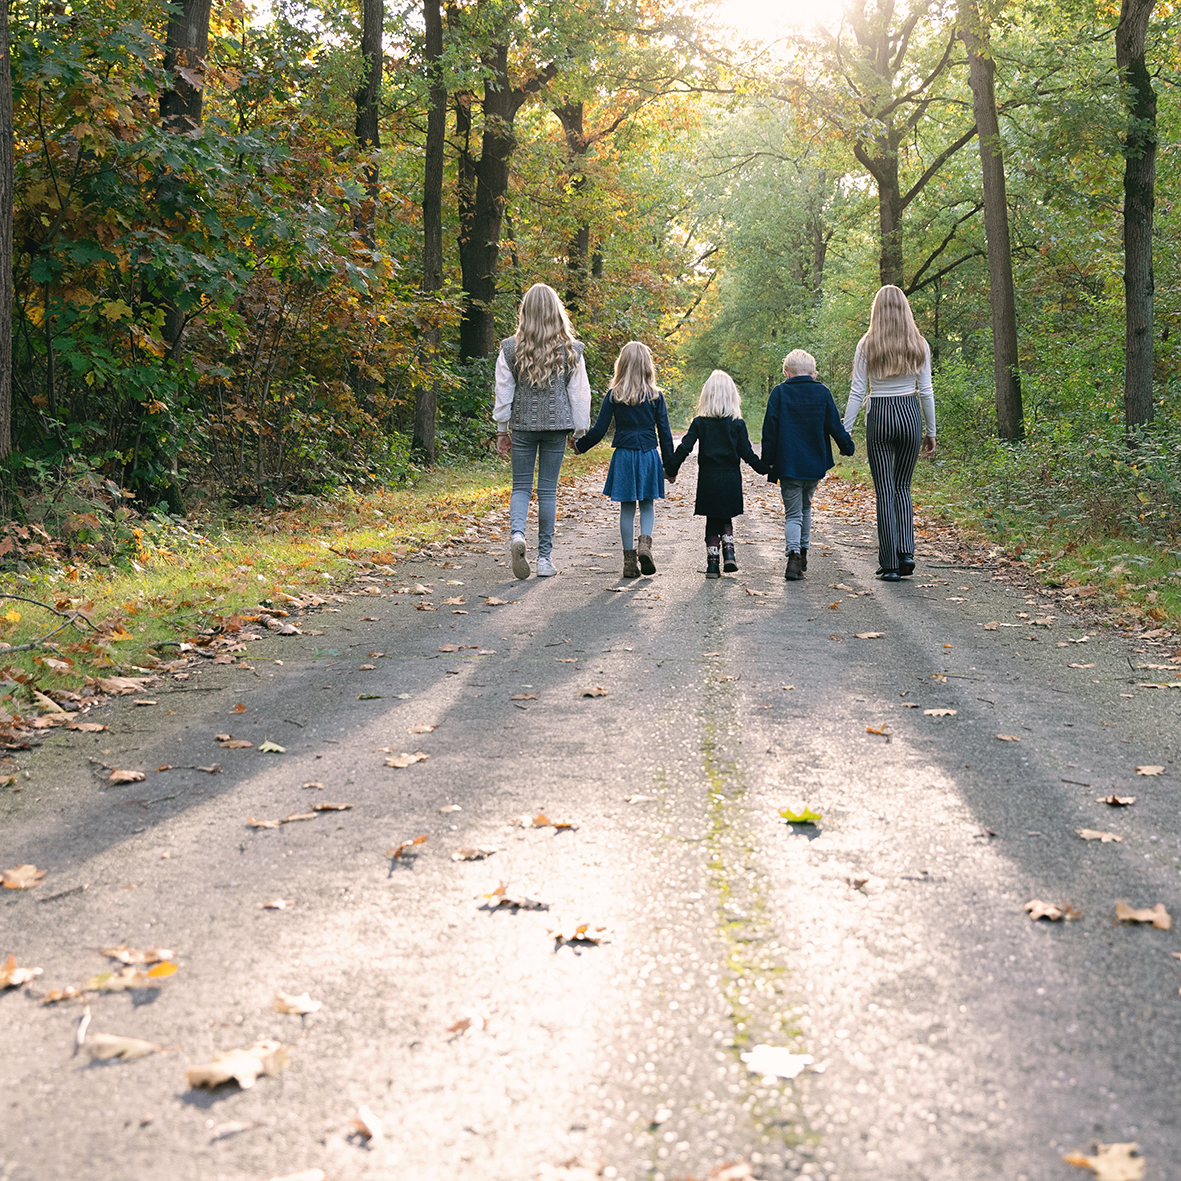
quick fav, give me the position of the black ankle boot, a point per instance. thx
(905, 564)
(712, 554)
(803, 559)
(729, 561)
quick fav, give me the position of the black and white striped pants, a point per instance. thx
(893, 435)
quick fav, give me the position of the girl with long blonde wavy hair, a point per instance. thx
(542, 395)
(892, 368)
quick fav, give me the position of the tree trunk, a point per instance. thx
(426, 399)
(1006, 372)
(889, 217)
(367, 130)
(7, 186)
(570, 114)
(185, 47)
(1140, 145)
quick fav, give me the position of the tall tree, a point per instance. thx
(7, 187)
(426, 400)
(1140, 142)
(368, 129)
(1006, 373)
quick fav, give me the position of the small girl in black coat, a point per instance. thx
(724, 441)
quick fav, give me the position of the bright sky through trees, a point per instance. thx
(768, 20)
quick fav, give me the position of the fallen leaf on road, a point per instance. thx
(254, 822)
(1150, 770)
(804, 816)
(541, 820)
(473, 853)
(331, 807)
(1008, 738)
(407, 760)
(122, 685)
(273, 748)
(723, 677)
(1080, 666)
(277, 904)
(133, 955)
(300, 816)
(370, 618)
(869, 635)
(424, 606)
(1047, 910)
(1116, 801)
(366, 668)
(244, 1067)
(579, 933)
(992, 626)
(454, 601)
(12, 977)
(1157, 915)
(419, 589)
(366, 697)
(839, 586)
(450, 808)
(163, 767)
(313, 783)
(87, 727)
(501, 897)
(493, 601)
(145, 701)
(284, 1002)
(397, 852)
(21, 877)
(103, 1047)
(786, 687)
(940, 713)
(909, 704)
(1093, 834)
(523, 697)
(599, 691)
(450, 647)
(471, 1019)
(240, 708)
(883, 730)
(566, 659)
(231, 1128)
(1111, 1162)
(754, 592)
(237, 744)
(117, 776)
(212, 769)
(775, 1061)
(421, 728)
(130, 977)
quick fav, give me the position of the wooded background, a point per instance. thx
(263, 253)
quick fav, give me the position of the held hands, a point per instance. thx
(927, 446)
(504, 444)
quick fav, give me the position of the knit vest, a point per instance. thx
(546, 408)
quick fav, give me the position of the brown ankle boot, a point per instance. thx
(644, 553)
(630, 568)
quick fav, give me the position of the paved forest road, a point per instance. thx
(957, 1039)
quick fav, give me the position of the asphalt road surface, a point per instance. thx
(950, 1036)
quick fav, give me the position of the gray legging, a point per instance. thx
(543, 449)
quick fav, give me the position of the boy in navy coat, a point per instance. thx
(800, 422)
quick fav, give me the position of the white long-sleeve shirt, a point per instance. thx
(899, 386)
(578, 387)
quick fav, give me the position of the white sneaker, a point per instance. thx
(516, 551)
(545, 568)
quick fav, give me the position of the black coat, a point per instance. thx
(724, 442)
(799, 425)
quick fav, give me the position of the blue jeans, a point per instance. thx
(797, 509)
(543, 449)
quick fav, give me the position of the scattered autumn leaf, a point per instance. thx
(883, 730)
(754, 592)
(277, 904)
(492, 601)
(254, 822)
(315, 784)
(238, 709)
(1008, 738)
(87, 727)
(1047, 910)
(117, 776)
(212, 769)
(397, 852)
(237, 744)
(991, 626)
(1157, 915)
(407, 760)
(367, 1126)
(130, 977)
(454, 601)
(596, 691)
(1150, 770)
(284, 1002)
(909, 704)
(122, 685)
(12, 977)
(21, 877)
(450, 808)
(1093, 834)
(331, 807)
(1116, 801)
(579, 933)
(300, 816)
(869, 635)
(274, 748)
(266, 1056)
(1080, 666)
(803, 816)
(1111, 1162)
(523, 697)
(421, 728)
(473, 853)
(940, 713)
(541, 820)
(104, 1047)
(500, 897)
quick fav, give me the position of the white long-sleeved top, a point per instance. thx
(578, 387)
(899, 386)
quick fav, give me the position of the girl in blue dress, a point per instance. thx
(643, 444)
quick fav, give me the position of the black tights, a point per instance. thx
(716, 528)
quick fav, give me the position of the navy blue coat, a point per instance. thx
(800, 422)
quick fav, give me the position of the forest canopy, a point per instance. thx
(262, 250)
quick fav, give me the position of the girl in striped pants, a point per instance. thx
(891, 366)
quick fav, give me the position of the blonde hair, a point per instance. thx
(893, 345)
(797, 363)
(634, 380)
(543, 332)
(719, 397)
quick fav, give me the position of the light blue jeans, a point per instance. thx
(543, 450)
(797, 510)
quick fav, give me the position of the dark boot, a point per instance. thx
(803, 559)
(712, 554)
(644, 553)
(729, 561)
(630, 568)
(905, 564)
(795, 570)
